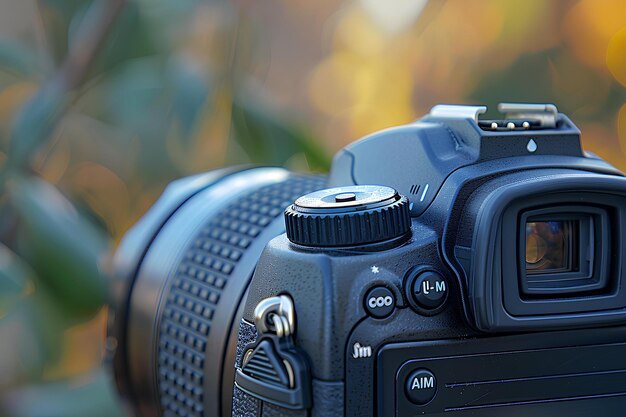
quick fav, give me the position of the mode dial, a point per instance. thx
(348, 216)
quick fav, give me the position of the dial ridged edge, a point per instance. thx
(348, 229)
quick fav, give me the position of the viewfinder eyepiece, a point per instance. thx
(551, 246)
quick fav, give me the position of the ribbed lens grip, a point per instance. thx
(371, 217)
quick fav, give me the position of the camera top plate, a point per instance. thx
(416, 158)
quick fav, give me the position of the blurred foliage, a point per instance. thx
(108, 108)
(86, 396)
(46, 217)
(90, 132)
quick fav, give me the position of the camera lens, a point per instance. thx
(187, 266)
(549, 246)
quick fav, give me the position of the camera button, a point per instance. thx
(429, 290)
(380, 302)
(421, 386)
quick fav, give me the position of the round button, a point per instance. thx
(430, 290)
(380, 302)
(342, 198)
(421, 386)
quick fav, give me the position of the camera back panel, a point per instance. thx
(548, 374)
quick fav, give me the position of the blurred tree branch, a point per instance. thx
(93, 33)
(40, 116)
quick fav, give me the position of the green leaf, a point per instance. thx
(35, 123)
(15, 279)
(135, 100)
(65, 251)
(269, 139)
(190, 88)
(19, 59)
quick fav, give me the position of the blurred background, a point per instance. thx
(110, 100)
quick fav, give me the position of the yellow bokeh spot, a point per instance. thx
(616, 56)
(358, 34)
(12, 97)
(370, 93)
(332, 85)
(590, 25)
(105, 193)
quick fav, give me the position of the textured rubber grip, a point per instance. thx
(195, 291)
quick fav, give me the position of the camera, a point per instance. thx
(455, 266)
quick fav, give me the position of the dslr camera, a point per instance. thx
(455, 266)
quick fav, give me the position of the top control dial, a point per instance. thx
(348, 216)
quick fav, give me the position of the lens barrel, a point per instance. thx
(184, 272)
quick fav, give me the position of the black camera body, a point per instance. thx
(450, 267)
